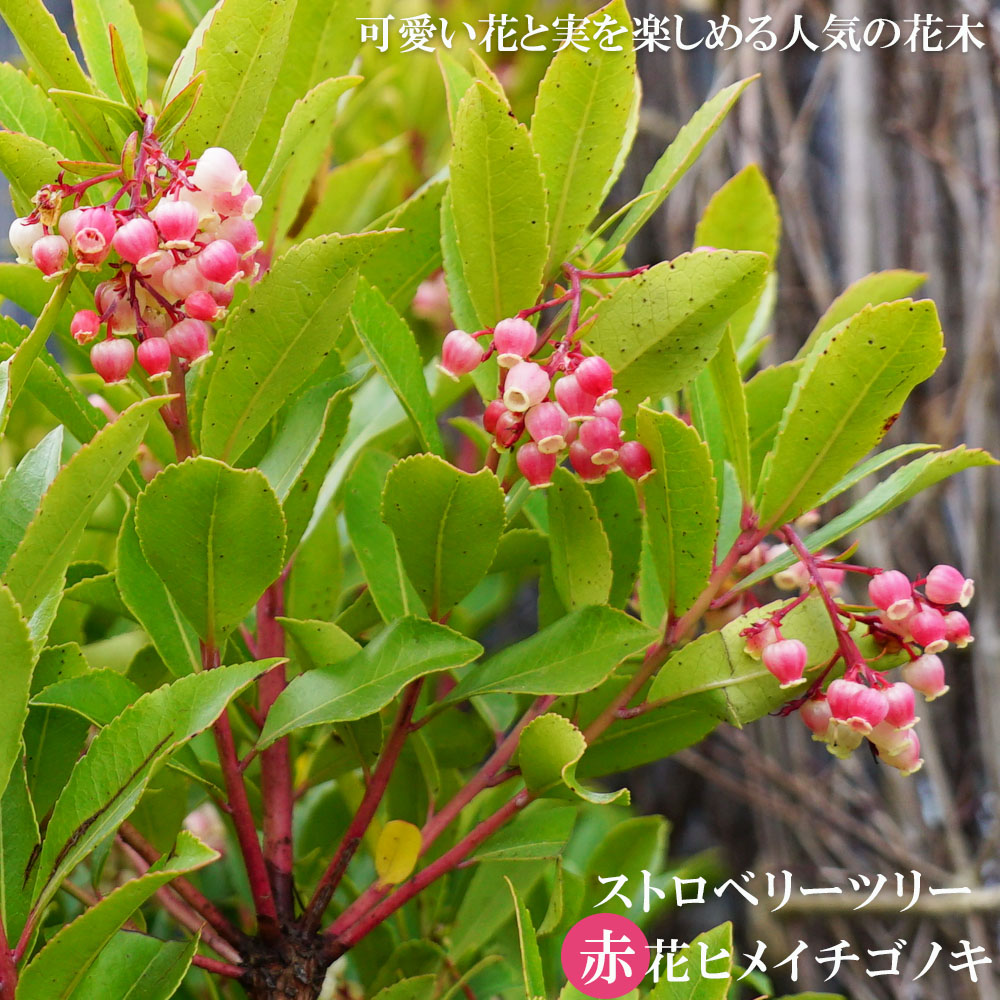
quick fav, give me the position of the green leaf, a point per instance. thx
(18, 663)
(681, 509)
(871, 290)
(216, 538)
(743, 215)
(43, 45)
(135, 967)
(405, 650)
(673, 164)
(499, 206)
(767, 396)
(58, 968)
(154, 608)
(50, 541)
(618, 508)
(580, 129)
(660, 328)
(291, 320)
(537, 833)
(312, 421)
(631, 846)
(411, 988)
(110, 778)
(848, 392)
(25, 107)
(180, 107)
(462, 310)
(92, 108)
(319, 643)
(710, 952)
(870, 466)
(902, 485)
(28, 164)
(93, 19)
(447, 525)
(531, 959)
(305, 138)
(547, 754)
(97, 696)
(570, 656)
(22, 489)
(18, 839)
(581, 554)
(729, 684)
(391, 346)
(240, 54)
(373, 542)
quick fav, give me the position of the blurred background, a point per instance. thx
(879, 159)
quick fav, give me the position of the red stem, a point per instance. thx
(8, 966)
(219, 968)
(242, 816)
(366, 810)
(275, 762)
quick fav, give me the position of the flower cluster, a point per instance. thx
(562, 406)
(182, 238)
(865, 704)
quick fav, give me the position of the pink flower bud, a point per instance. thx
(223, 294)
(579, 405)
(154, 355)
(217, 172)
(188, 339)
(815, 713)
(868, 708)
(23, 235)
(902, 712)
(946, 585)
(833, 578)
(926, 675)
(201, 305)
(842, 694)
(242, 233)
(202, 202)
(460, 354)
(177, 222)
(786, 659)
(602, 439)
(893, 593)
(85, 326)
(595, 376)
(526, 386)
(579, 458)
(889, 739)
(49, 254)
(611, 409)
(509, 427)
(95, 229)
(906, 759)
(928, 630)
(122, 319)
(493, 413)
(183, 279)
(106, 295)
(112, 359)
(219, 261)
(635, 461)
(102, 219)
(957, 629)
(536, 465)
(136, 240)
(795, 577)
(548, 424)
(513, 340)
(244, 205)
(67, 223)
(757, 640)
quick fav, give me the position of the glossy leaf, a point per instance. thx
(570, 656)
(240, 54)
(291, 320)
(447, 525)
(405, 650)
(18, 838)
(28, 164)
(58, 968)
(767, 395)
(531, 959)
(392, 347)
(25, 107)
(43, 44)
(51, 538)
(93, 18)
(18, 663)
(711, 952)
(659, 329)
(319, 643)
(149, 600)
(848, 393)
(580, 128)
(581, 554)
(135, 967)
(617, 505)
(675, 161)
(534, 834)
(681, 510)
(500, 206)
(227, 549)
(110, 778)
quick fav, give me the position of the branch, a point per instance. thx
(366, 810)
(219, 968)
(8, 966)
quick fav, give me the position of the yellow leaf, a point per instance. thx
(396, 851)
